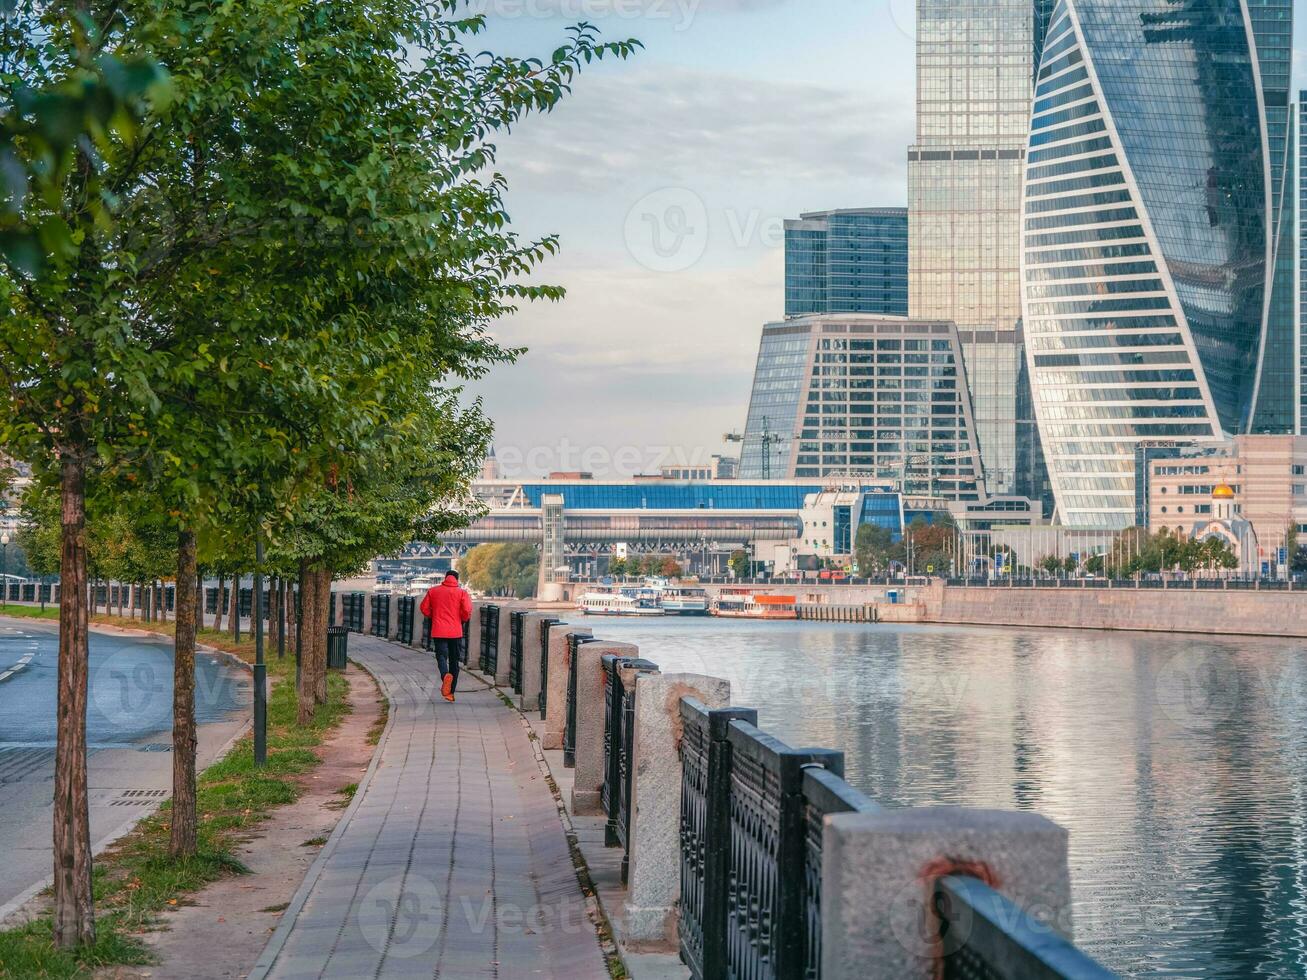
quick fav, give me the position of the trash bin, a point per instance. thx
(337, 647)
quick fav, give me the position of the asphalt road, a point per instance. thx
(129, 720)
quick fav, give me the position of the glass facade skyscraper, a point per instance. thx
(1147, 239)
(975, 63)
(1277, 393)
(863, 396)
(853, 261)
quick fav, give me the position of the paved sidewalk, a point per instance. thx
(451, 862)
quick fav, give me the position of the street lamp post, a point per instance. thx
(4, 568)
(260, 668)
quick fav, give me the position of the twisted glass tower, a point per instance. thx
(1147, 257)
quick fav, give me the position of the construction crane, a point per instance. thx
(768, 440)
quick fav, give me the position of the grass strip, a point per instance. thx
(135, 879)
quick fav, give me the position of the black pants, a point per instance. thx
(447, 654)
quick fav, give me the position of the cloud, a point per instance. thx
(699, 129)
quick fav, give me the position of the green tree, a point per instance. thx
(741, 564)
(302, 225)
(1051, 564)
(504, 569)
(873, 548)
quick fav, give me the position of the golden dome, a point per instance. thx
(1223, 492)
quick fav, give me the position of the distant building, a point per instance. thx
(976, 61)
(1148, 238)
(1267, 478)
(719, 468)
(851, 261)
(863, 396)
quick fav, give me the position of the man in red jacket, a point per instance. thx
(449, 607)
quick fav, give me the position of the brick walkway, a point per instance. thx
(451, 862)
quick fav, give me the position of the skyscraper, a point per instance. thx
(866, 396)
(975, 64)
(1277, 392)
(853, 261)
(1147, 241)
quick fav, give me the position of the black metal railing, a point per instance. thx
(619, 748)
(463, 647)
(824, 793)
(545, 626)
(753, 813)
(245, 603)
(574, 642)
(354, 611)
(705, 834)
(404, 629)
(516, 623)
(381, 615)
(426, 633)
(489, 659)
(331, 610)
(986, 936)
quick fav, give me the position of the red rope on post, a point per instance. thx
(930, 876)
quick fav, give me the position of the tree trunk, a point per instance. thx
(120, 600)
(182, 843)
(218, 605)
(319, 636)
(308, 596)
(272, 609)
(74, 912)
(234, 611)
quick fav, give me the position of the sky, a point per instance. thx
(667, 178)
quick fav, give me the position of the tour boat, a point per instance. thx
(618, 604)
(743, 604)
(682, 601)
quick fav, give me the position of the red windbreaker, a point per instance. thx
(449, 607)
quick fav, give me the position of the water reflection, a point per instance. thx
(1177, 763)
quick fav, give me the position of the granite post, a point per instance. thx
(392, 616)
(878, 872)
(556, 695)
(530, 698)
(588, 786)
(506, 611)
(367, 615)
(474, 632)
(654, 883)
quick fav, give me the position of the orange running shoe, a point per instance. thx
(447, 687)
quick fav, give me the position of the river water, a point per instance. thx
(1177, 763)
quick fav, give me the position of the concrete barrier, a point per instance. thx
(878, 875)
(654, 888)
(591, 758)
(530, 697)
(556, 695)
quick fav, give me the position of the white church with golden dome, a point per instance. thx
(1227, 524)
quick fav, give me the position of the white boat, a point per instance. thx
(684, 601)
(618, 604)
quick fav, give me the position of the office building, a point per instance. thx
(853, 261)
(857, 395)
(975, 63)
(1277, 396)
(1266, 476)
(1146, 240)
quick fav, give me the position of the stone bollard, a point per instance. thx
(530, 697)
(878, 870)
(506, 611)
(367, 615)
(392, 617)
(654, 885)
(556, 695)
(591, 757)
(474, 632)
